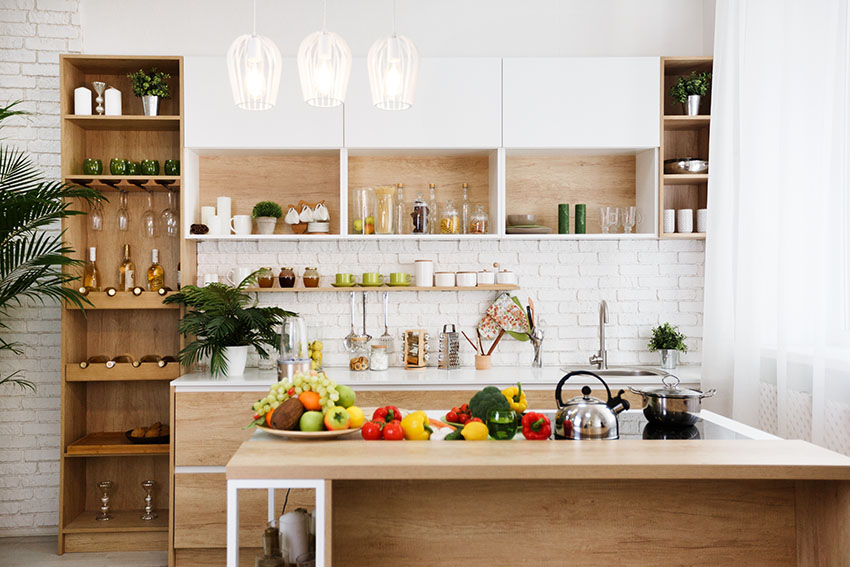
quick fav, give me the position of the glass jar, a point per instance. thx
(385, 209)
(479, 221)
(380, 359)
(419, 215)
(286, 277)
(358, 354)
(311, 277)
(265, 278)
(450, 219)
(363, 211)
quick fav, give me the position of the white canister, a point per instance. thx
(444, 279)
(424, 273)
(241, 224)
(206, 213)
(466, 279)
(210, 278)
(685, 220)
(669, 220)
(112, 98)
(82, 101)
(486, 277)
(702, 220)
(223, 208)
(506, 278)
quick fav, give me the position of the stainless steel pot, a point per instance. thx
(670, 405)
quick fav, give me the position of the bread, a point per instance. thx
(138, 432)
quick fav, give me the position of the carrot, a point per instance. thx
(439, 424)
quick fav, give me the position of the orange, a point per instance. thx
(310, 400)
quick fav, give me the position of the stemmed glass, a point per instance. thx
(629, 217)
(149, 218)
(169, 217)
(608, 219)
(123, 212)
(96, 217)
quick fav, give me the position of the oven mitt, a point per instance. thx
(506, 313)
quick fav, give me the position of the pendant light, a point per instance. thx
(393, 70)
(324, 65)
(253, 65)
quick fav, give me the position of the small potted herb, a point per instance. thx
(266, 214)
(667, 340)
(690, 90)
(150, 87)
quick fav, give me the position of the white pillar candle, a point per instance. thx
(113, 101)
(223, 208)
(82, 101)
(207, 214)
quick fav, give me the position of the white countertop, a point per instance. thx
(429, 378)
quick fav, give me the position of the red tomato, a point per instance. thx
(478, 419)
(371, 431)
(452, 416)
(393, 431)
(463, 418)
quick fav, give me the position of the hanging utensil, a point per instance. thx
(348, 341)
(386, 339)
(365, 334)
(449, 348)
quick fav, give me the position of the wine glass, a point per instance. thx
(609, 219)
(169, 217)
(123, 212)
(149, 219)
(96, 217)
(629, 217)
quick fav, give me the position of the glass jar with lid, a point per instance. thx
(311, 277)
(420, 215)
(265, 278)
(286, 277)
(358, 354)
(380, 359)
(449, 219)
(385, 209)
(363, 211)
(479, 221)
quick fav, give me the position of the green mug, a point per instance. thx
(118, 166)
(92, 166)
(399, 278)
(345, 279)
(372, 278)
(172, 167)
(134, 168)
(150, 167)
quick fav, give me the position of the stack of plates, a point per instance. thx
(318, 227)
(525, 224)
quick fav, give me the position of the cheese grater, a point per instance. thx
(449, 354)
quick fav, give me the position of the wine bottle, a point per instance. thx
(163, 362)
(156, 275)
(96, 359)
(138, 290)
(127, 272)
(91, 277)
(111, 291)
(121, 358)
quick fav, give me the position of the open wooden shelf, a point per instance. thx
(127, 182)
(121, 372)
(506, 287)
(102, 122)
(111, 444)
(685, 178)
(684, 235)
(126, 300)
(122, 521)
(684, 122)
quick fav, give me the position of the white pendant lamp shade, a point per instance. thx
(253, 65)
(324, 66)
(393, 71)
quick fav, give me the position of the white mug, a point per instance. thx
(669, 220)
(424, 273)
(241, 224)
(685, 220)
(506, 277)
(702, 220)
(234, 276)
(215, 223)
(486, 277)
(206, 214)
(444, 279)
(210, 278)
(466, 279)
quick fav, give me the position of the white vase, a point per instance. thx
(150, 105)
(693, 105)
(237, 357)
(266, 225)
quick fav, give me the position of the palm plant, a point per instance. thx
(221, 318)
(34, 264)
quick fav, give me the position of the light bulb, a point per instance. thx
(254, 79)
(392, 80)
(324, 78)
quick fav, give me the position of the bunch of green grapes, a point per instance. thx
(291, 387)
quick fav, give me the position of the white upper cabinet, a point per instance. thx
(581, 102)
(213, 121)
(457, 105)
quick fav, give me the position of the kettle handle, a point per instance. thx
(578, 373)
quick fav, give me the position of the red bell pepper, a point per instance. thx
(387, 414)
(393, 431)
(536, 426)
(372, 431)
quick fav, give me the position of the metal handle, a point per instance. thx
(578, 373)
(351, 310)
(709, 393)
(634, 390)
(386, 307)
(670, 384)
(364, 312)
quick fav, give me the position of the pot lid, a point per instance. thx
(585, 399)
(671, 389)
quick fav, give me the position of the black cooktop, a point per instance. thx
(633, 425)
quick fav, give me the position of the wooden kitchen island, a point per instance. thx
(555, 503)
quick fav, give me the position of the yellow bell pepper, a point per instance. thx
(516, 397)
(475, 431)
(415, 426)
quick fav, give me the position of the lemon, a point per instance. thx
(356, 415)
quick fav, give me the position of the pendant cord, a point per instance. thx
(324, 15)
(395, 19)
(255, 18)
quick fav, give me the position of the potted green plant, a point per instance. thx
(266, 214)
(224, 321)
(667, 340)
(690, 90)
(150, 87)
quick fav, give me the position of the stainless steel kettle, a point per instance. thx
(586, 417)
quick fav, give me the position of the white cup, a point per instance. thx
(210, 278)
(669, 220)
(234, 276)
(444, 279)
(223, 207)
(206, 213)
(506, 277)
(215, 223)
(486, 277)
(241, 224)
(702, 220)
(685, 220)
(466, 279)
(424, 273)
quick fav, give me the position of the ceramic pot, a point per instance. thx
(266, 225)
(237, 357)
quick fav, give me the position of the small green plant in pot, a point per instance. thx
(667, 340)
(690, 90)
(150, 87)
(224, 321)
(266, 214)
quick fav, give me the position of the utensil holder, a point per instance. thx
(482, 362)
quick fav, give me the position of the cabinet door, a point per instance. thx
(582, 102)
(213, 121)
(457, 105)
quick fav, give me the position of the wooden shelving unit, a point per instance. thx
(506, 287)
(98, 403)
(682, 136)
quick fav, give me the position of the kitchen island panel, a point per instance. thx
(823, 523)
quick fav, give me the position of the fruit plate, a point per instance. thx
(145, 440)
(309, 435)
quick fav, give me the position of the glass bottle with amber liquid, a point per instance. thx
(156, 275)
(91, 277)
(127, 272)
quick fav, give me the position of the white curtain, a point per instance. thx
(777, 297)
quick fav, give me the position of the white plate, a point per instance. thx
(308, 434)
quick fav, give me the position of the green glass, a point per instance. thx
(118, 166)
(150, 167)
(501, 424)
(134, 168)
(172, 167)
(92, 166)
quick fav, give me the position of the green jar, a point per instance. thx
(150, 167)
(134, 168)
(118, 166)
(92, 166)
(172, 167)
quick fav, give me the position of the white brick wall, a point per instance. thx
(32, 35)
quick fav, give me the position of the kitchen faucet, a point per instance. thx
(600, 359)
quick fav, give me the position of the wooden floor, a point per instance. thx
(42, 551)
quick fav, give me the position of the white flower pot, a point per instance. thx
(236, 357)
(266, 225)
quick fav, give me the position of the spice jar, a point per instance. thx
(450, 219)
(286, 277)
(311, 277)
(385, 209)
(380, 359)
(420, 215)
(266, 277)
(363, 211)
(479, 221)
(358, 358)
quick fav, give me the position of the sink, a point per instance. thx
(626, 371)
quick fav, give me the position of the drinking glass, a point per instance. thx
(96, 217)
(123, 212)
(149, 220)
(628, 218)
(169, 217)
(608, 218)
(501, 424)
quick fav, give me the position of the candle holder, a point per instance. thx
(105, 486)
(99, 87)
(149, 512)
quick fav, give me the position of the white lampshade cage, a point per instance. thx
(393, 70)
(253, 65)
(324, 66)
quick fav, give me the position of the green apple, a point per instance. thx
(347, 397)
(312, 421)
(337, 418)
(358, 225)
